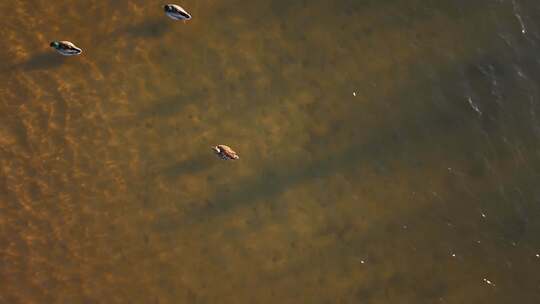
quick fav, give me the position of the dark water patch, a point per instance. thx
(165, 106)
(416, 126)
(173, 105)
(379, 146)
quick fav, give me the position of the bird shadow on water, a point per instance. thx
(189, 166)
(40, 61)
(149, 28)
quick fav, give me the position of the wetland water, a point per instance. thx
(421, 187)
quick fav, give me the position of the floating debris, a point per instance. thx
(488, 282)
(538, 255)
(176, 12)
(483, 215)
(225, 152)
(66, 48)
(453, 255)
(353, 93)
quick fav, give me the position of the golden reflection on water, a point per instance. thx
(111, 194)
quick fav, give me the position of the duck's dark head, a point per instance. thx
(55, 44)
(168, 8)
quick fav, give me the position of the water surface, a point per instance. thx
(389, 152)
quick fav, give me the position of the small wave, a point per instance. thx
(519, 18)
(474, 106)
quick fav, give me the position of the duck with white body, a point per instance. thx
(176, 12)
(66, 48)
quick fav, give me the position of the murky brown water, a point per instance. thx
(389, 152)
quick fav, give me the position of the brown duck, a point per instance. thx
(225, 152)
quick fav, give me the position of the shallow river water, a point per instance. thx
(390, 152)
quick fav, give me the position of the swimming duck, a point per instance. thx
(225, 152)
(66, 48)
(176, 12)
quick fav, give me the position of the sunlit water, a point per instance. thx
(389, 152)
